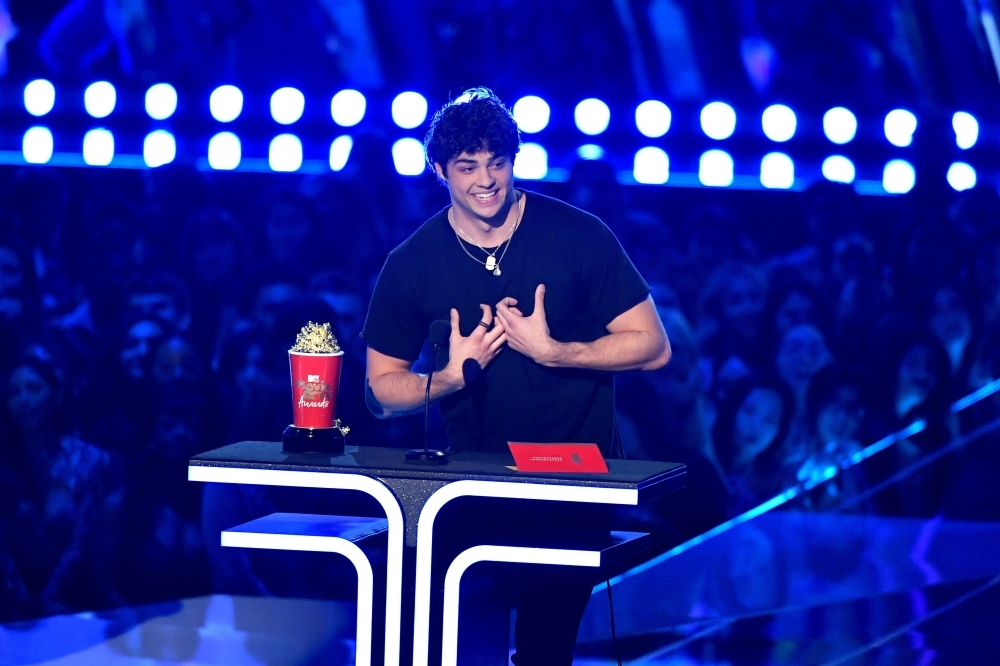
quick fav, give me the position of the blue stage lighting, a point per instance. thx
(966, 129)
(899, 127)
(718, 120)
(715, 168)
(898, 177)
(39, 97)
(777, 171)
(98, 147)
(590, 151)
(592, 116)
(532, 162)
(226, 103)
(408, 157)
(285, 153)
(224, 151)
(37, 145)
(99, 99)
(287, 105)
(779, 123)
(347, 108)
(651, 166)
(652, 118)
(961, 176)
(531, 114)
(838, 169)
(340, 152)
(409, 110)
(159, 148)
(840, 125)
(161, 101)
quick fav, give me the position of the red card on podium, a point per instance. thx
(576, 458)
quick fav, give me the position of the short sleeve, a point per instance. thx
(615, 284)
(394, 327)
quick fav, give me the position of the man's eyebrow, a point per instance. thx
(465, 160)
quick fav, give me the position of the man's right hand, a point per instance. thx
(481, 346)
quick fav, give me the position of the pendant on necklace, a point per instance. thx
(496, 271)
(491, 263)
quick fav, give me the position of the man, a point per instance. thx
(543, 306)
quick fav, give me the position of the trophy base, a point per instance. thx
(426, 457)
(312, 440)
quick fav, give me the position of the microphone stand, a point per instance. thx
(427, 456)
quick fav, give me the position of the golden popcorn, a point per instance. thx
(316, 339)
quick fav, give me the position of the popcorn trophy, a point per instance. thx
(315, 362)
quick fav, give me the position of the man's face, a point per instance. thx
(480, 184)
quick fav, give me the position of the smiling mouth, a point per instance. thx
(486, 197)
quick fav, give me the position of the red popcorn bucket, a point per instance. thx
(315, 381)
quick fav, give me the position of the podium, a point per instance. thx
(412, 497)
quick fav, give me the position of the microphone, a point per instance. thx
(438, 337)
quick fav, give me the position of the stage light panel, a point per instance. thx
(340, 152)
(592, 116)
(532, 162)
(838, 169)
(98, 147)
(226, 103)
(161, 101)
(590, 151)
(99, 99)
(347, 108)
(285, 153)
(224, 151)
(408, 157)
(36, 146)
(718, 120)
(898, 177)
(840, 125)
(715, 168)
(899, 127)
(531, 114)
(779, 123)
(409, 110)
(961, 176)
(777, 171)
(159, 148)
(39, 97)
(652, 118)
(966, 129)
(287, 105)
(651, 166)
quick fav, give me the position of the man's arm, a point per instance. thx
(635, 341)
(393, 389)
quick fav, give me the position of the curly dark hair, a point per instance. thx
(474, 121)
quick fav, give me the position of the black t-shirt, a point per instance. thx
(588, 281)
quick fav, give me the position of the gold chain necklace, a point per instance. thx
(492, 263)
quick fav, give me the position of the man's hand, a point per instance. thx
(529, 335)
(482, 346)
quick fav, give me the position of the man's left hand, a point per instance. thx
(529, 335)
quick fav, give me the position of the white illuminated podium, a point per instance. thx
(412, 496)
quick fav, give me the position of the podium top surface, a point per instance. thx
(658, 477)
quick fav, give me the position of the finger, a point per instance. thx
(495, 332)
(516, 311)
(455, 332)
(540, 300)
(487, 316)
(498, 344)
(509, 301)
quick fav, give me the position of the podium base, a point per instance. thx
(312, 440)
(426, 457)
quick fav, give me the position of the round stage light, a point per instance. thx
(899, 127)
(715, 168)
(532, 162)
(777, 171)
(840, 125)
(409, 110)
(651, 166)
(161, 101)
(652, 118)
(347, 108)
(966, 129)
(159, 148)
(224, 151)
(99, 99)
(592, 116)
(961, 176)
(340, 152)
(287, 105)
(408, 157)
(838, 169)
(37, 145)
(226, 103)
(898, 177)
(39, 97)
(718, 120)
(779, 123)
(531, 114)
(590, 151)
(98, 147)
(285, 153)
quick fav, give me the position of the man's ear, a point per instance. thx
(439, 170)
